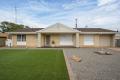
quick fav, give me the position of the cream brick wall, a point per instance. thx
(31, 40)
(81, 42)
(14, 39)
(97, 40)
(55, 38)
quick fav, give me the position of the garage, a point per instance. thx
(105, 41)
(117, 43)
(88, 40)
(66, 40)
(2, 41)
(3, 37)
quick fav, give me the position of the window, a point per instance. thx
(88, 40)
(21, 37)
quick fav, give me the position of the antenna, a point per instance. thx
(76, 23)
(15, 8)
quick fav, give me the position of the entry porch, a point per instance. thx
(58, 40)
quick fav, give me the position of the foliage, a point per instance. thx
(6, 26)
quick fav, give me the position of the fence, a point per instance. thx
(2, 42)
(117, 43)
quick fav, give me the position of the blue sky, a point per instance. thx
(41, 13)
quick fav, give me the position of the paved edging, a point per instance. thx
(70, 72)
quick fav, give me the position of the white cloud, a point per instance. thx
(77, 4)
(98, 16)
(105, 20)
(22, 18)
(39, 6)
(6, 15)
(104, 2)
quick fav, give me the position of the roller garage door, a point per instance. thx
(105, 41)
(66, 40)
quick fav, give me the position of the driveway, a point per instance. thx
(94, 66)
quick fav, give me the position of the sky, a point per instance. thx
(42, 13)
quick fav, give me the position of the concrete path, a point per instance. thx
(94, 66)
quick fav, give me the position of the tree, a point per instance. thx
(9, 26)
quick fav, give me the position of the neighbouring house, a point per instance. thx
(117, 39)
(60, 35)
(3, 38)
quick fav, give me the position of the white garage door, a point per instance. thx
(66, 40)
(88, 40)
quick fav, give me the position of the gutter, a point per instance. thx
(97, 32)
(21, 32)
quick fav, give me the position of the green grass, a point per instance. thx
(26, 64)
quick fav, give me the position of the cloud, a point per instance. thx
(41, 13)
(106, 20)
(22, 18)
(104, 2)
(6, 15)
(78, 4)
(38, 6)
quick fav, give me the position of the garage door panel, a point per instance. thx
(66, 40)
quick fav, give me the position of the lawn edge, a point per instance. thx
(69, 69)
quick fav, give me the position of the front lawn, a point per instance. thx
(32, 64)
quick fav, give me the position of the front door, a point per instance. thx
(47, 40)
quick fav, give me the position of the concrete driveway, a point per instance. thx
(94, 66)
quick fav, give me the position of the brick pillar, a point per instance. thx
(77, 40)
(39, 40)
(113, 45)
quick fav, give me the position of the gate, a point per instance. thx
(2, 41)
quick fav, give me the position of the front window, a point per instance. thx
(21, 37)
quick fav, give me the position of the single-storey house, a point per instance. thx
(60, 35)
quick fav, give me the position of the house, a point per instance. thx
(117, 39)
(60, 35)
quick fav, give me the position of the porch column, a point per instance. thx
(113, 41)
(39, 40)
(77, 40)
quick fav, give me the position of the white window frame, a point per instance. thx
(21, 41)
